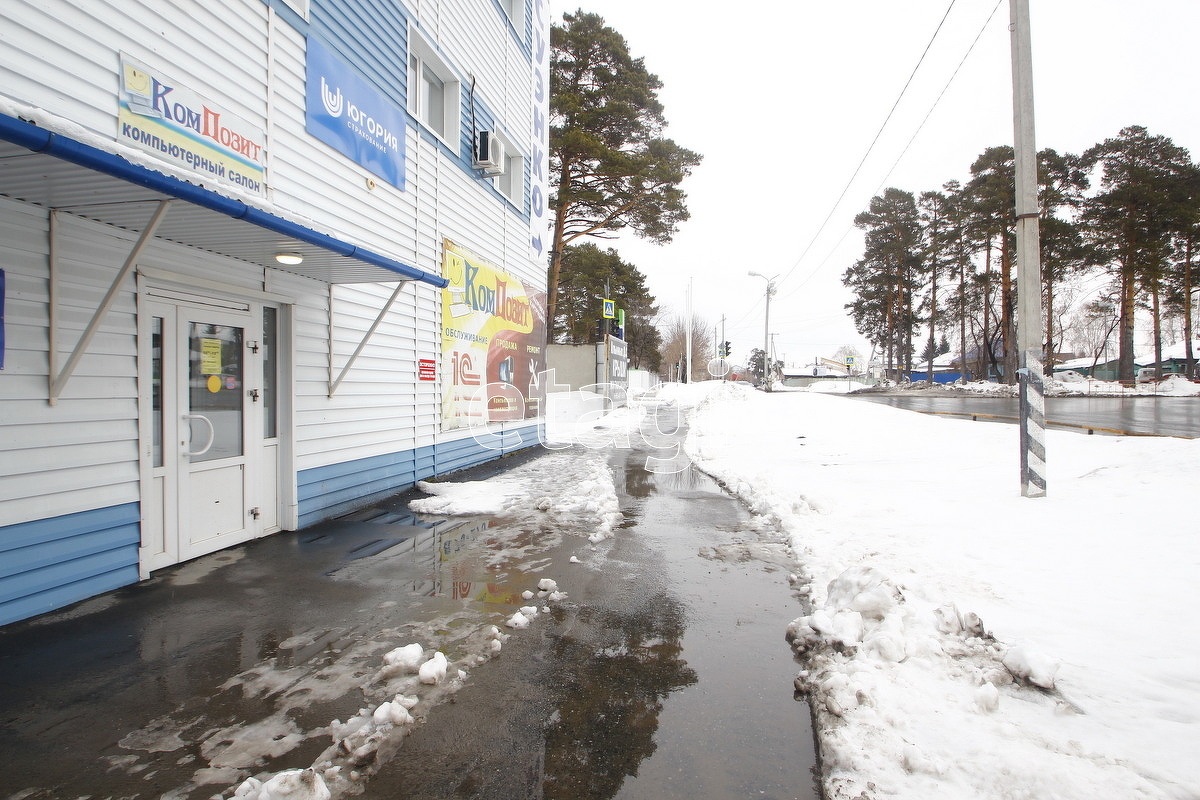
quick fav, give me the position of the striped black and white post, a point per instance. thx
(1033, 427)
(1029, 268)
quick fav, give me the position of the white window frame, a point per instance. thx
(422, 56)
(301, 7)
(511, 183)
(515, 10)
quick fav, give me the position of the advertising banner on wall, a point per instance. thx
(158, 115)
(351, 116)
(493, 343)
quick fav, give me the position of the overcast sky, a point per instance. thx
(784, 97)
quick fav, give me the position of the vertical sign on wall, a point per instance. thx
(493, 343)
(539, 206)
(352, 116)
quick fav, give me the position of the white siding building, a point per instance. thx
(169, 386)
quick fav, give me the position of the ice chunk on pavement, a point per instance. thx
(434, 670)
(293, 784)
(548, 585)
(575, 560)
(557, 597)
(1031, 666)
(527, 594)
(529, 611)
(496, 645)
(407, 657)
(392, 712)
(518, 620)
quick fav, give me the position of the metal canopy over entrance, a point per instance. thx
(65, 175)
(57, 172)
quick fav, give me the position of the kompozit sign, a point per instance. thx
(160, 116)
(493, 343)
(351, 116)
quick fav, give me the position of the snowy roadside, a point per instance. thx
(965, 641)
(1070, 384)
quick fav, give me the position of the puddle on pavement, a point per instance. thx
(664, 674)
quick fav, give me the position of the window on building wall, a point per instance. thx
(433, 90)
(515, 9)
(511, 182)
(299, 6)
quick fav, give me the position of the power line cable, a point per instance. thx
(904, 152)
(874, 141)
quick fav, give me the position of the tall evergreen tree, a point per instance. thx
(612, 169)
(885, 280)
(1182, 276)
(937, 224)
(961, 267)
(991, 193)
(1143, 189)
(589, 276)
(1063, 252)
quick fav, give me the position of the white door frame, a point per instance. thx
(167, 476)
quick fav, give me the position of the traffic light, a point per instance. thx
(724, 350)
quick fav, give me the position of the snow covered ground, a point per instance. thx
(962, 641)
(965, 641)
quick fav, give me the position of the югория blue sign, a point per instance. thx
(351, 116)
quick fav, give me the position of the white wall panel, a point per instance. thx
(82, 452)
(252, 64)
(238, 55)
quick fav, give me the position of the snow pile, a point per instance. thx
(963, 641)
(1177, 386)
(591, 420)
(569, 491)
(295, 784)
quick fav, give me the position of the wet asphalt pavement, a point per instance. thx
(1149, 415)
(664, 674)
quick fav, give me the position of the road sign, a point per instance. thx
(610, 309)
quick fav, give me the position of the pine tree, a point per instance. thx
(612, 169)
(991, 195)
(1063, 252)
(885, 280)
(591, 275)
(1143, 190)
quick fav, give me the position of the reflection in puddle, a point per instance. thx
(605, 726)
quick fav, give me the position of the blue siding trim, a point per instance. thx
(332, 490)
(50, 563)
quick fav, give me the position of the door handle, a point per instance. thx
(212, 434)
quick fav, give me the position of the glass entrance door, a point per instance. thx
(215, 431)
(210, 461)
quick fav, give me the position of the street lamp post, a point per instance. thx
(766, 329)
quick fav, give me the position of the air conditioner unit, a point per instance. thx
(489, 154)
